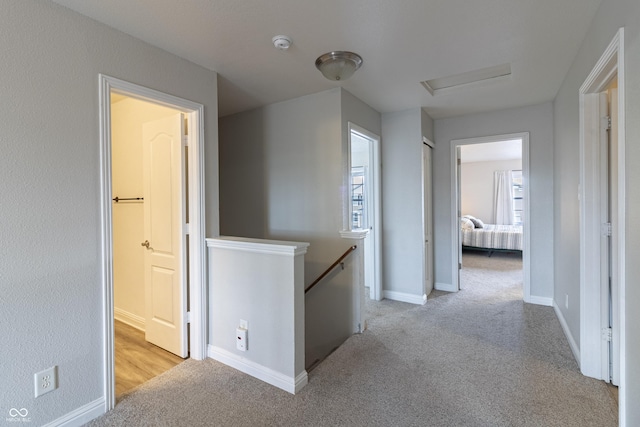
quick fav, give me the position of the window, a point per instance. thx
(516, 177)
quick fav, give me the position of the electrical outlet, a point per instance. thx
(241, 339)
(46, 381)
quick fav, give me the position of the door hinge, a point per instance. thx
(188, 317)
(606, 229)
(459, 266)
(607, 334)
(608, 122)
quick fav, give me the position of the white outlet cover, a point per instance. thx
(45, 381)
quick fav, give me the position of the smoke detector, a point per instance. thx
(281, 42)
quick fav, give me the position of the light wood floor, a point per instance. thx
(137, 361)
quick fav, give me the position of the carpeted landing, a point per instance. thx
(480, 357)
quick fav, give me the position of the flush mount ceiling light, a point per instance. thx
(338, 65)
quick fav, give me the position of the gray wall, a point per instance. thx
(402, 238)
(282, 177)
(50, 280)
(538, 121)
(612, 15)
(282, 168)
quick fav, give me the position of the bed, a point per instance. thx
(490, 237)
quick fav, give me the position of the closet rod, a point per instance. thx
(117, 199)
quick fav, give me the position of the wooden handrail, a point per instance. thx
(328, 270)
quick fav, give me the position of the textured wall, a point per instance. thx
(51, 296)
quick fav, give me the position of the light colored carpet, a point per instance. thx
(480, 357)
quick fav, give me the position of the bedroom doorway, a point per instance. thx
(491, 210)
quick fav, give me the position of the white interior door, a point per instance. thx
(427, 217)
(164, 219)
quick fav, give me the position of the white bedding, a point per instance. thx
(491, 236)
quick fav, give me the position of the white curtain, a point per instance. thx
(503, 197)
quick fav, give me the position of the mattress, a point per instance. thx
(491, 236)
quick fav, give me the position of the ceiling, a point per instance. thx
(491, 151)
(402, 43)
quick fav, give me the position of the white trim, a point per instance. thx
(80, 416)
(354, 234)
(404, 297)
(591, 364)
(277, 379)
(427, 226)
(567, 333)
(526, 230)
(258, 246)
(447, 287)
(130, 319)
(547, 302)
(197, 272)
(376, 291)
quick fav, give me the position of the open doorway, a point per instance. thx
(364, 202)
(491, 206)
(148, 170)
(492, 215)
(163, 262)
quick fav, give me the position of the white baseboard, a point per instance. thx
(548, 302)
(447, 287)
(80, 416)
(403, 297)
(565, 327)
(129, 318)
(268, 375)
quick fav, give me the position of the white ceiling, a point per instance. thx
(402, 43)
(502, 150)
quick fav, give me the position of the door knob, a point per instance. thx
(145, 244)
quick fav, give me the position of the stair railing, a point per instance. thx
(331, 267)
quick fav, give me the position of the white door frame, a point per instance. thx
(376, 291)
(427, 267)
(592, 347)
(455, 221)
(197, 274)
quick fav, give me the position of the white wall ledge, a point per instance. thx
(264, 246)
(354, 234)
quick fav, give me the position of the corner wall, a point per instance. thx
(50, 287)
(402, 193)
(538, 121)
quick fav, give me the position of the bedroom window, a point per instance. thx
(358, 201)
(516, 177)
